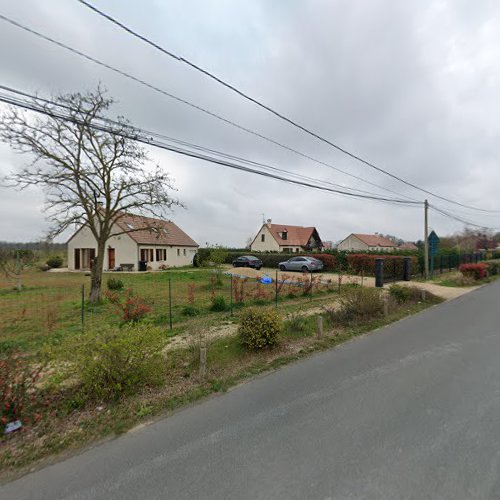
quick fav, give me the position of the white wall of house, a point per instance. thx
(127, 251)
(176, 256)
(351, 243)
(268, 245)
(125, 248)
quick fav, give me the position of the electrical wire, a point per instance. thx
(192, 105)
(271, 110)
(189, 153)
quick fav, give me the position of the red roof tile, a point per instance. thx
(296, 235)
(374, 240)
(154, 231)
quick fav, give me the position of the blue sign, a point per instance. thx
(433, 244)
(266, 280)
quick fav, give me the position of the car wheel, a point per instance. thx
(282, 268)
(305, 269)
(258, 268)
(235, 265)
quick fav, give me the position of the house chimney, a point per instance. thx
(268, 223)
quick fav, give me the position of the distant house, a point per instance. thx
(408, 245)
(287, 239)
(155, 242)
(366, 242)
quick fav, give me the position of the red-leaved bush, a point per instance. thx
(20, 399)
(132, 307)
(327, 259)
(475, 271)
(365, 263)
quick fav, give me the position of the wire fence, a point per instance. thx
(54, 305)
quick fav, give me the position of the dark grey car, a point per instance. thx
(301, 264)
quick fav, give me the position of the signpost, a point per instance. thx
(433, 248)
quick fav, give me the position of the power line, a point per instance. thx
(268, 108)
(190, 104)
(185, 152)
(185, 143)
(460, 219)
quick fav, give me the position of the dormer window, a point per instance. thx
(284, 235)
(130, 226)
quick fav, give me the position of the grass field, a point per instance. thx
(50, 304)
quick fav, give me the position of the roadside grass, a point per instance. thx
(72, 423)
(455, 279)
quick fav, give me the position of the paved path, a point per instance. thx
(409, 412)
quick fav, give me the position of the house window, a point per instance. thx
(284, 235)
(161, 254)
(184, 251)
(262, 238)
(297, 250)
(147, 254)
(178, 252)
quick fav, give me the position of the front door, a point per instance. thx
(111, 258)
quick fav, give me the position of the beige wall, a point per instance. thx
(268, 245)
(352, 243)
(177, 256)
(127, 251)
(125, 248)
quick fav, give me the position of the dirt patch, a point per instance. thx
(445, 292)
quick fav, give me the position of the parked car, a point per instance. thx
(308, 264)
(247, 261)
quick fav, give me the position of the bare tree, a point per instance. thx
(91, 176)
(13, 263)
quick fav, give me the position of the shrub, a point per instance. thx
(260, 328)
(219, 304)
(20, 399)
(55, 261)
(115, 284)
(118, 361)
(365, 263)
(493, 267)
(190, 311)
(329, 262)
(475, 271)
(132, 308)
(359, 304)
(401, 294)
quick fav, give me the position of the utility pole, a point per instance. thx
(426, 240)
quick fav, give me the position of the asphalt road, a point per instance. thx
(409, 412)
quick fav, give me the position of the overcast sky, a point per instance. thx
(412, 86)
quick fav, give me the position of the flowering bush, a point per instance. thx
(475, 271)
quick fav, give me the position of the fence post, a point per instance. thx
(379, 273)
(311, 274)
(394, 270)
(276, 289)
(406, 268)
(320, 326)
(170, 301)
(203, 360)
(83, 307)
(231, 291)
(440, 264)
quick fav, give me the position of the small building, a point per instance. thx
(287, 239)
(155, 242)
(356, 242)
(408, 245)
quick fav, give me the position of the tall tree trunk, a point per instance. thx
(96, 274)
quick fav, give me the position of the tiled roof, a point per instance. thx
(408, 245)
(296, 235)
(374, 240)
(154, 231)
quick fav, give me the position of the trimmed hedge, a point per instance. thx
(475, 271)
(393, 264)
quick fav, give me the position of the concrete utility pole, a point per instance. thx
(426, 240)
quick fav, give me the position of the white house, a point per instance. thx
(156, 242)
(365, 242)
(288, 239)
